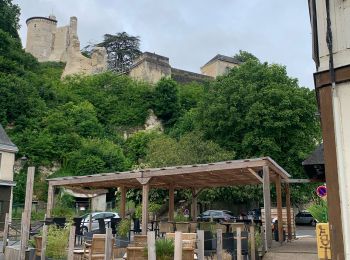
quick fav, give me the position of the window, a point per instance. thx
(97, 216)
(216, 214)
(108, 215)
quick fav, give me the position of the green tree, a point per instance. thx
(9, 17)
(244, 56)
(136, 146)
(257, 110)
(166, 151)
(95, 156)
(122, 50)
(166, 104)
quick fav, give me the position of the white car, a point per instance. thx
(107, 216)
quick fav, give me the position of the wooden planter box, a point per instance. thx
(136, 253)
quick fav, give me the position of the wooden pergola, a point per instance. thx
(195, 177)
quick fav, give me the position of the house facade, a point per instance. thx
(7, 160)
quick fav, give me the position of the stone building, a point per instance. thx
(7, 160)
(47, 42)
(219, 65)
(152, 67)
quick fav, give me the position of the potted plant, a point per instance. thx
(319, 211)
(137, 217)
(57, 243)
(153, 209)
(123, 232)
(164, 249)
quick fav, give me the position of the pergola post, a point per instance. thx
(279, 208)
(267, 206)
(289, 214)
(194, 204)
(50, 200)
(122, 201)
(171, 203)
(145, 192)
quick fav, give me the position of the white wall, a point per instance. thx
(98, 203)
(6, 166)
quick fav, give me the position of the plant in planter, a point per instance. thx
(258, 244)
(123, 232)
(180, 217)
(164, 249)
(319, 210)
(57, 242)
(153, 209)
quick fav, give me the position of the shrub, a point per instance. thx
(57, 242)
(124, 227)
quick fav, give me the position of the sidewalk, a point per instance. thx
(301, 249)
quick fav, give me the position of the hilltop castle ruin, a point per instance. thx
(47, 42)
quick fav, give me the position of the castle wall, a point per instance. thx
(47, 42)
(151, 68)
(223, 67)
(217, 68)
(60, 45)
(183, 76)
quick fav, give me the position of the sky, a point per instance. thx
(191, 32)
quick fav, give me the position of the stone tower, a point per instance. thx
(47, 42)
(40, 36)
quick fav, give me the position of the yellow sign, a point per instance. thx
(323, 241)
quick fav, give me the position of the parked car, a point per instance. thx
(216, 215)
(107, 216)
(254, 214)
(304, 217)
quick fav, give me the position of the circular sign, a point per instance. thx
(321, 191)
(186, 212)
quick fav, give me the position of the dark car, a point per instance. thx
(305, 218)
(216, 215)
(254, 214)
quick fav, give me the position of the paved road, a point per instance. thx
(305, 231)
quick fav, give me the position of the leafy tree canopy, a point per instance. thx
(9, 17)
(122, 50)
(166, 101)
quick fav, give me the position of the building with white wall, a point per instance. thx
(7, 160)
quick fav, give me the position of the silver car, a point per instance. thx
(304, 217)
(107, 216)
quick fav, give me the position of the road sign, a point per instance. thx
(321, 191)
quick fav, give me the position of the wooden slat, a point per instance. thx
(6, 231)
(122, 201)
(289, 213)
(255, 175)
(279, 209)
(151, 244)
(71, 242)
(200, 244)
(219, 244)
(171, 203)
(252, 242)
(27, 212)
(178, 246)
(108, 244)
(50, 199)
(44, 242)
(239, 244)
(145, 191)
(267, 207)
